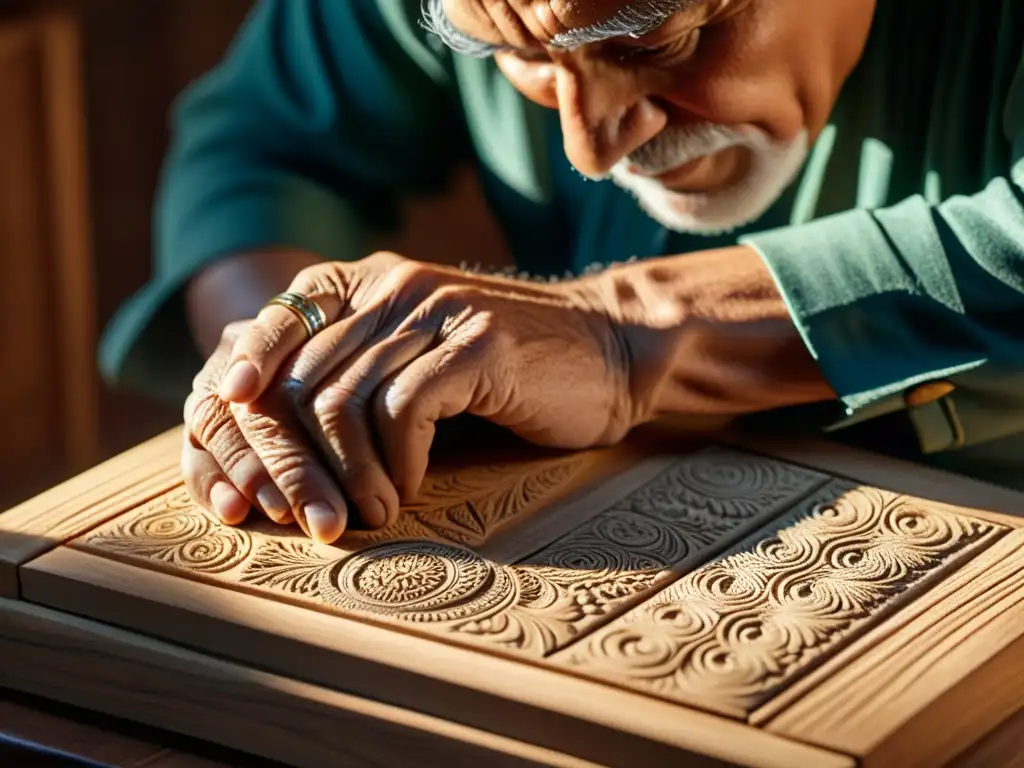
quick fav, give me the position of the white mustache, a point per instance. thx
(678, 145)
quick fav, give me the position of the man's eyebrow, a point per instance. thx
(635, 20)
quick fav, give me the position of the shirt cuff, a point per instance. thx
(867, 290)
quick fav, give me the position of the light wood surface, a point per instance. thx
(631, 537)
(538, 706)
(955, 658)
(89, 499)
(128, 675)
(713, 605)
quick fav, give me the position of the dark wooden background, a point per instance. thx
(121, 63)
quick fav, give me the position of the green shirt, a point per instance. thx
(899, 250)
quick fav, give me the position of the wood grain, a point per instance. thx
(49, 397)
(735, 632)
(480, 690)
(65, 735)
(925, 686)
(93, 497)
(128, 675)
(73, 297)
(424, 575)
(1003, 747)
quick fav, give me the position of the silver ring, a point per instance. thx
(307, 310)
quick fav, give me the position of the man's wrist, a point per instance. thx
(708, 333)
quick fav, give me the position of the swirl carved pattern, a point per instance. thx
(545, 603)
(174, 531)
(731, 634)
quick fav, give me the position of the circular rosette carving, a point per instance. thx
(417, 581)
(185, 537)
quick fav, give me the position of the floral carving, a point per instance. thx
(733, 632)
(289, 565)
(574, 584)
(468, 507)
(174, 531)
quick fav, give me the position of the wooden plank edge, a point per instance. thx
(941, 633)
(992, 502)
(147, 681)
(526, 702)
(92, 498)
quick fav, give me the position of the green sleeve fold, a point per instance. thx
(319, 119)
(888, 299)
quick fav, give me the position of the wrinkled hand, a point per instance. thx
(407, 344)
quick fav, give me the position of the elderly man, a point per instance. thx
(808, 210)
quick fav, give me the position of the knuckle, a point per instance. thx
(263, 337)
(285, 391)
(326, 278)
(214, 427)
(336, 402)
(208, 417)
(293, 475)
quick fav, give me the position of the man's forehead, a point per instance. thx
(565, 23)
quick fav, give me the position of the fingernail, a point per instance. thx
(229, 505)
(273, 502)
(239, 382)
(324, 524)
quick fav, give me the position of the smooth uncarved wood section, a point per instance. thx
(928, 684)
(73, 507)
(518, 700)
(120, 673)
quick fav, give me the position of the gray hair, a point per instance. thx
(635, 20)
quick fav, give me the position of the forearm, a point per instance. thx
(236, 288)
(709, 333)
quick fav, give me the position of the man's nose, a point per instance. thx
(605, 115)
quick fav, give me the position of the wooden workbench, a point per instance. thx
(741, 601)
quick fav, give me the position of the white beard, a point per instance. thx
(773, 166)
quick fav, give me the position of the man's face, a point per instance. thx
(703, 109)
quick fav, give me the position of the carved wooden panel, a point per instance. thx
(625, 607)
(423, 571)
(734, 632)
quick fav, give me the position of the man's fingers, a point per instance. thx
(327, 352)
(279, 331)
(443, 383)
(342, 420)
(213, 441)
(277, 440)
(209, 486)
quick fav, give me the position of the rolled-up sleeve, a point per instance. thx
(319, 118)
(916, 294)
